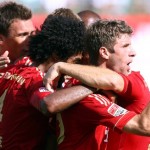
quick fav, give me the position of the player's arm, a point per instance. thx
(65, 98)
(61, 99)
(96, 77)
(140, 123)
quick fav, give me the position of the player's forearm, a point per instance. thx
(97, 77)
(65, 98)
(140, 124)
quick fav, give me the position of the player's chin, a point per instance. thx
(128, 72)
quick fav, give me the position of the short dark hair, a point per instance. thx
(87, 15)
(10, 11)
(66, 12)
(104, 33)
(60, 37)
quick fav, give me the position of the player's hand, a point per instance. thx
(51, 78)
(4, 60)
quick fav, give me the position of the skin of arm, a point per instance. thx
(100, 78)
(64, 98)
(140, 123)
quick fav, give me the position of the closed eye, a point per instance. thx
(23, 34)
(77, 61)
(126, 45)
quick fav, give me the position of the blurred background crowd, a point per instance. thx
(135, 12)
(115, 7)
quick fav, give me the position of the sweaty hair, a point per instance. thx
(10, 11)
(104, 33)
(66, 12)
(60, 37)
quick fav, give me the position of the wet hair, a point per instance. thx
(104, 33)
(10, 11)
(60, 37)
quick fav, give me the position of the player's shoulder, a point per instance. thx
(135, 73)
(27, 74)
(25, 61)
(31, 73)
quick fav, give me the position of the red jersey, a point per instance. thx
(134, 97)
(79, 126)
(25, 61)
(22, 126)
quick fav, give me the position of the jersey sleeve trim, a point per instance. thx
(123, 120)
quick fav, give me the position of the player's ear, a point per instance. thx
(104, 53)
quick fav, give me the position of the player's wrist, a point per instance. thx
(60, 67)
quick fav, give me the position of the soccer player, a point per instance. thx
(15, 28)
(88, 17)
(78, 124)
(22, 95)
(109, 46)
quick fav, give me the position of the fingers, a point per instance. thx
(3, 66)
(4, 60)
(48, 87)
(51, 78)
(5, 54)
(50, 83)
(46, 82)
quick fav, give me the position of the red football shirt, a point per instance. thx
(79, 126)
(134, 97)
(22, 126)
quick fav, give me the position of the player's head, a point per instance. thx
(109, 44)
(65, 12)
(15, 28)
(88, 17)
(60, 38)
